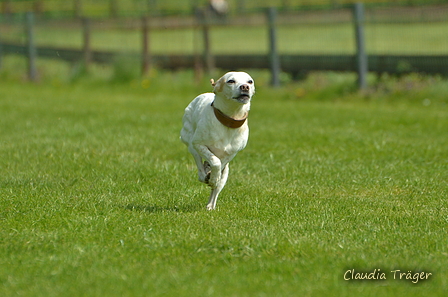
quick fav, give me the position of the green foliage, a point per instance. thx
(100, 198)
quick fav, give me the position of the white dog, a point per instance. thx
(215, 128)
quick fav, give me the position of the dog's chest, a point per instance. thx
(227, 142)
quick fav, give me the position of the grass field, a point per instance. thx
(98, 197)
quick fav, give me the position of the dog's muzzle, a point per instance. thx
(243, 98)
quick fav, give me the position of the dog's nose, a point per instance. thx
(244, 88)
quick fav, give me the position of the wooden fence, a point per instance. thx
(134, 8)
(297, 65)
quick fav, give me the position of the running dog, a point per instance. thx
(215, 128)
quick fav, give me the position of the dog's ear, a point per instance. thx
(212, 81)
(218, 85)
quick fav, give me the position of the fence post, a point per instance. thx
(7, 9)
(208, 57)
(273, 52)
(39, 7)
(198, 63)
(146, 61)
(77, 6)
(87, 50)
(31, 47)
(1, 54)
(361, 55)
(113, 8)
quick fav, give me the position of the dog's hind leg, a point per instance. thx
(215, 191)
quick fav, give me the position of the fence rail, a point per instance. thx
(294, 64)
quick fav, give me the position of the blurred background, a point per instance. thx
(400, 36)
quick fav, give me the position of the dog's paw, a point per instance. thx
(210, 206)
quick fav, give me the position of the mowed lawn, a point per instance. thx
(98, 197)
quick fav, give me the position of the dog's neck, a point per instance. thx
(231, 108)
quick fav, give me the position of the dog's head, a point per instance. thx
(238, 86)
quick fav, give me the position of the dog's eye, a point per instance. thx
(231, 81)
(250, 82)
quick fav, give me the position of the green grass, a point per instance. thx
(100, 198)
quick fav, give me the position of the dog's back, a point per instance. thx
(195, 112)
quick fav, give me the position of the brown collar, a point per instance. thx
(228, 121)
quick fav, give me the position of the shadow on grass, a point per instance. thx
(156, 208)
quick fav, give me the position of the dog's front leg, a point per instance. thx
(203, 173)
(215, 192)
(213, 162)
